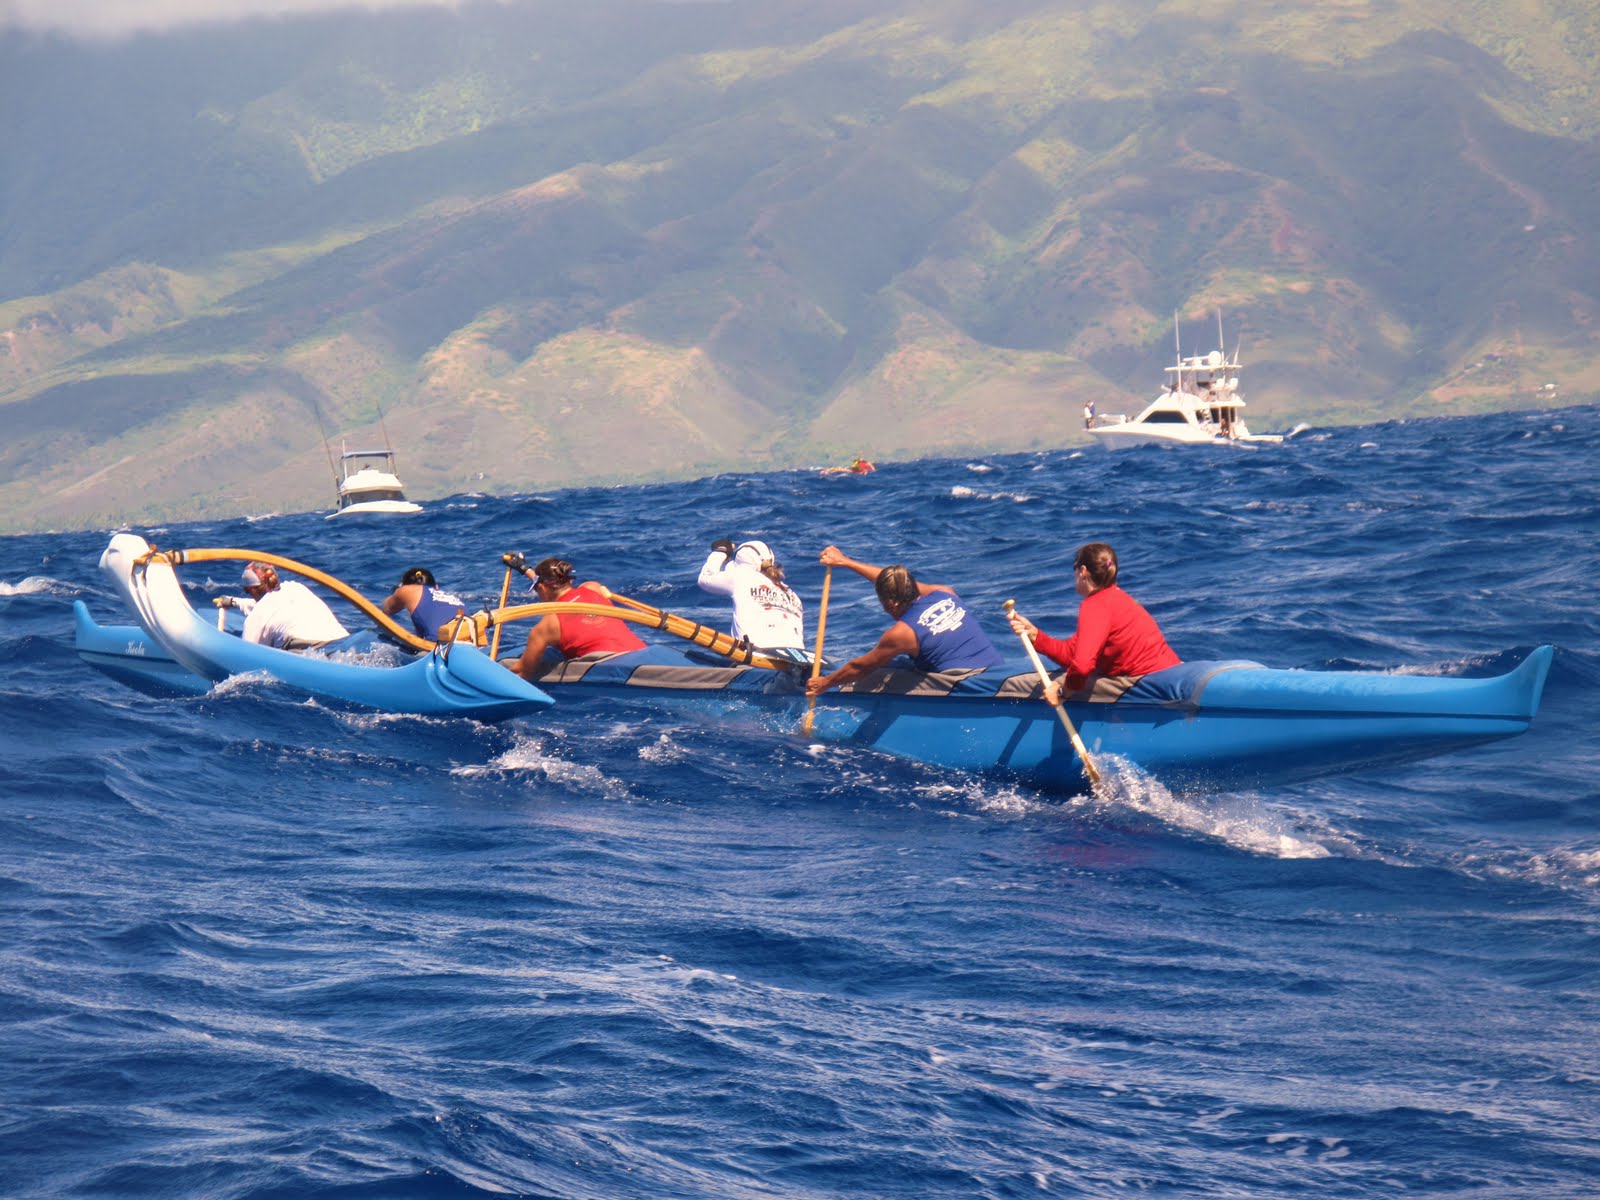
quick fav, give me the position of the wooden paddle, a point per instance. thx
(1089, 769)
(810, 719)
(505, 591)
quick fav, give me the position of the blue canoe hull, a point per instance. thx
(1216, 726)
(457, 680)
(1220, 748)
(1205, 725)
(131, 657)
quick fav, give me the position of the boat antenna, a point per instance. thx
(326, 449)
(1222, 342)
(383, 429)
(1177, 350)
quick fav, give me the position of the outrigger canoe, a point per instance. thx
(449, 680)
(1212, 725)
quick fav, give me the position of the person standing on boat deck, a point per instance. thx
(931, 626)
(767, 614)
(289, 615)
(1115, 635)
(431, 609)
(573, 634)
(1088, 414)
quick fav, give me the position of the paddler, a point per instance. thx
(289, 615)
(1115, 635)
(435, 613)
(573, 634)
(932, 626)
(768, 615)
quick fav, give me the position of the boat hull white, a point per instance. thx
(376, 506)
(1114, 437)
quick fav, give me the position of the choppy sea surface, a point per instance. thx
(256, 946)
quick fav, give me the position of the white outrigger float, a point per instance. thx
(1198, 406)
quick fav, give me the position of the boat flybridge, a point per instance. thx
(1199, 405)
(368, 484)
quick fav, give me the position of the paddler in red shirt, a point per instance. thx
(574, 634)
(1115, 635)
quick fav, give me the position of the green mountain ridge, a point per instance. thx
(653, 240)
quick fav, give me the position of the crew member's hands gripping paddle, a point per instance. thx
(1089, 769)
(810, 719)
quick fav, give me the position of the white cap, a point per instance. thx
(249, 578)
(752, 554)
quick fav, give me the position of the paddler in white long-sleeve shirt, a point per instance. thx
(766, 611)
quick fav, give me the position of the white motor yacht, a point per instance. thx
(1199, 405)
(368, 484)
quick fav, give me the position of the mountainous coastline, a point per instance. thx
(556, 245)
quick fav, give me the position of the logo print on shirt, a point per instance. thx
(775, 599)
(942, 617)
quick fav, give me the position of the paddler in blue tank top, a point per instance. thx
(932, 626)
(432, 611)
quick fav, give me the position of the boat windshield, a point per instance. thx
(363, 495)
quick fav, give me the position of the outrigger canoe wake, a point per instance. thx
(1215, 725)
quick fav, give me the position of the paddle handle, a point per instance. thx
(810, 719)
(1089, 768)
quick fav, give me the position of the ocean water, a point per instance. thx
(255, 946)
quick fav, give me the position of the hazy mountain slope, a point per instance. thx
(559, 244)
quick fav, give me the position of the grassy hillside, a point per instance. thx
(637, 239)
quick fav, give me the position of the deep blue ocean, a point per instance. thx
(255, 946)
